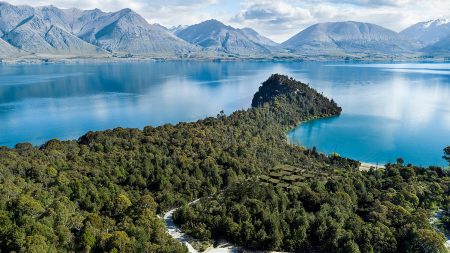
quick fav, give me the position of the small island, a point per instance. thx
(106, 191)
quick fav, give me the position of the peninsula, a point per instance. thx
(104, 191)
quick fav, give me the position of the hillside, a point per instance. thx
(53, 31)
(6, 50)
(278, 86)
(127, 32)
(50, 32)
(442, 47)
(349, 37)
(254, 36)
(429, 32)
(102, 192)
(38, 31)
(217, 36)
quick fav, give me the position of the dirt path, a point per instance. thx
(176, 233)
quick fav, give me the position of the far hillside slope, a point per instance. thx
(126, 31)
(40, 30)
(349, 37)
(429, 32)
(7, 50)
(216, 36)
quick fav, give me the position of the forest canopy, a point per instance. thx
(102, 193)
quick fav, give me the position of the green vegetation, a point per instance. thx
(376, 211)
(447, 154)
(102, 192)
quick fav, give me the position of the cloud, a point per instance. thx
(166, 12)
(372, 3)
(274, 12)
(275, 18)
(283, 18)
(278, 19)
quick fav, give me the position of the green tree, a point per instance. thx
(122, 203)
(447, 154)
(428, 241)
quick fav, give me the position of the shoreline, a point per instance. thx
(24, 60)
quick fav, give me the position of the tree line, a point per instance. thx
(102, 192)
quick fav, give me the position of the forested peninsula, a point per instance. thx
(103, 192)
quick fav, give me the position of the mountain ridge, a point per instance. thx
(217, 36)
(48, 31)
(349, 37)
(428, 32)
(434, 35)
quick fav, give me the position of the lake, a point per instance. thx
(389, 110)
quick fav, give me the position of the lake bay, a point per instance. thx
(389, 110)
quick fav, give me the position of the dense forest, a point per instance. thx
(102, 193)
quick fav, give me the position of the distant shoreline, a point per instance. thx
(83, 60)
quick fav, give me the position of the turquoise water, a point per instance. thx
(390, 110)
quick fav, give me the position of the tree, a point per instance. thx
(447, 154)
(27, 205)
(122, 203)
(428, 241)
(349, 247)
(120, 241)
(102, 192)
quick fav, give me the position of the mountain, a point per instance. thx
(349, 37)
(216, 36)
(161, 26)
(126, 31)
(176, 29)
(40, 30)
(429, 32)
(440, 47)
(258, 38)
(7, 50)
(49, 30)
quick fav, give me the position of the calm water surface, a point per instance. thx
(390, 110)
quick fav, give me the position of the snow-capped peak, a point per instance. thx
(429, 32)
(436, 22)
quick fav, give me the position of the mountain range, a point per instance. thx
(429, 32)
(434, 35)
(216, 36)
(349, 37)
(49, 31)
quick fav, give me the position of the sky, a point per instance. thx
(276, 19)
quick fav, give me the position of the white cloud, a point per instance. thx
(282, 19)
(276, 19)
(165, 12)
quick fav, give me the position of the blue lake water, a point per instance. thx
(389, 110)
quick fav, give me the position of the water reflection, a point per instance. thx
(387, 114)
(390, 110)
